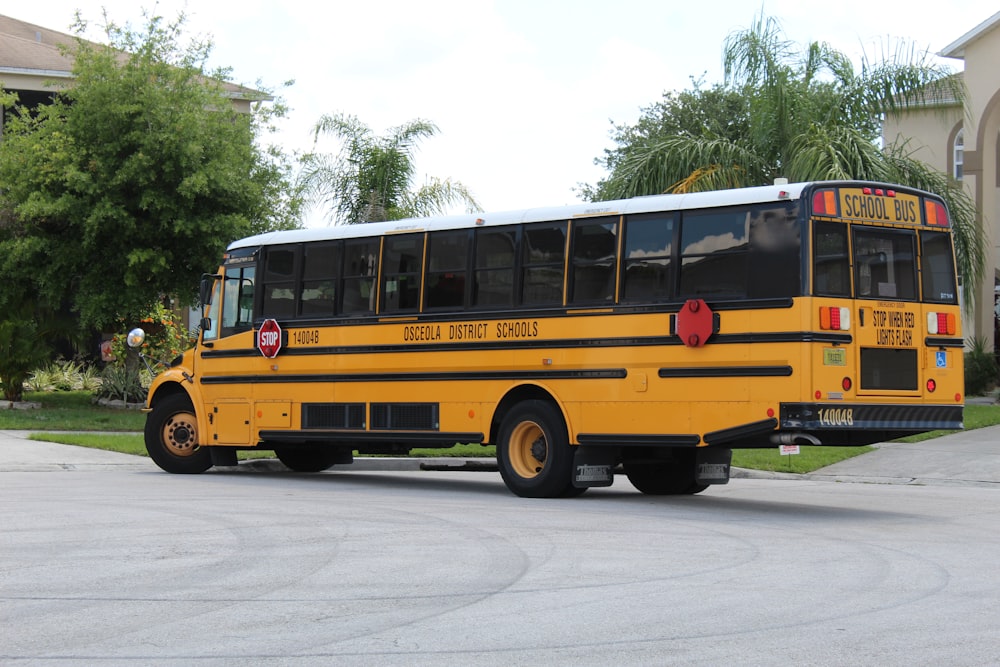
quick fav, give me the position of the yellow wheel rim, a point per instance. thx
(180, 434)
(528, 449)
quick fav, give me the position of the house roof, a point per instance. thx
(27, 49)
(957, 48)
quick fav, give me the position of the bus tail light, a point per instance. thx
(846, 384)
(834, 318)
(825, 202)
(936, 213)
(931, 385)
(941, 323)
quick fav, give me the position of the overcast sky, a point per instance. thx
(523, 91)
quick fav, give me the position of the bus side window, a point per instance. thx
(647, 265)
(280, 267)
(360, 269)
(237, 306)
(320, 272)
(401, 266)
(447, 259)
(714, 247)
(543, 262)
(775, 252)
(595, 252)
(494, 267)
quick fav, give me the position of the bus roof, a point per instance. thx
(647, 204)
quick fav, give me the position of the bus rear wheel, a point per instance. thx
(307, 460)
(533, 452)
(665, 478)
(171, 437)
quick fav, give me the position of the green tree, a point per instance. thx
(130, 184)
(810, 115)
(371, 178)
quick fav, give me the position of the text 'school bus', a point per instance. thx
(656, 333)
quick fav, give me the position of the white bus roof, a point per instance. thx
(652, 203)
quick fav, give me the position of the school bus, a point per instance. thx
(652, 335)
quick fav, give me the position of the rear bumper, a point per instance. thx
(860, 416)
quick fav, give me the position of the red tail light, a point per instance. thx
(944, 324)
(834, 318)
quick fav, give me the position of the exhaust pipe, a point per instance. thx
(786, 438)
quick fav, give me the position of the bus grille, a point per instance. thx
(333, 415)
(405, 416)
(887, 368)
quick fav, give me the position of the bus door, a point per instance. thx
(227, 328)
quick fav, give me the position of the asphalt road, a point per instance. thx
(104, 560)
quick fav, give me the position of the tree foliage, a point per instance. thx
(784, 111)
(371, 178)
(130, 184)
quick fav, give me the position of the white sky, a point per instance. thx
(523, 91)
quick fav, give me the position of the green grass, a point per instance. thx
(70, 411)
(74, 411)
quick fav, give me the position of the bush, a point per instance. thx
(122, 384)
(981, 371)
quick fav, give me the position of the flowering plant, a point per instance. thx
(165, 336)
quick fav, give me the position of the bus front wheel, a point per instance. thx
(172, 437)
(533, 452)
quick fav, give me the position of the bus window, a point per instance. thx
(494, 267)
(237, 306)
(279, 281)
(938, 266)
(775, 253)
(714, 253)
(360, 269)
(320, 271)
(595, 249)
(831, 260)
(884, 266)
(447, 259)
(543, 260)
(401, 273)
(647, 264)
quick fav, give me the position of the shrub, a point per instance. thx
(981, 371)
(122, 384)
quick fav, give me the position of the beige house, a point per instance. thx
(965, 142)
(34, 64)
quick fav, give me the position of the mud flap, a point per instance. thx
(712, 465)
(594, 466)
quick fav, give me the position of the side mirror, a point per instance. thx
(205, 291)
(136, 337)
(205, 324)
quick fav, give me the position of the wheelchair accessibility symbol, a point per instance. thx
(941, 359)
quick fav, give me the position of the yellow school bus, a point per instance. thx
(653, 335)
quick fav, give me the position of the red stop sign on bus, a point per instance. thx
(269, 338)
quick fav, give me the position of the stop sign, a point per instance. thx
(269, 338)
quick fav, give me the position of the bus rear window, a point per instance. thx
(938, 268)
(885, 264)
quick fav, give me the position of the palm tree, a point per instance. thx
(371, 178)
(811, 116)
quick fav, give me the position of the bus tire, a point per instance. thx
(171, 436)
(533, 452)
(665, 478)
(306, 460)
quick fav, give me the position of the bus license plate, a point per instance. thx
(834, 356)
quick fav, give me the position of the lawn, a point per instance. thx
(74, 411)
